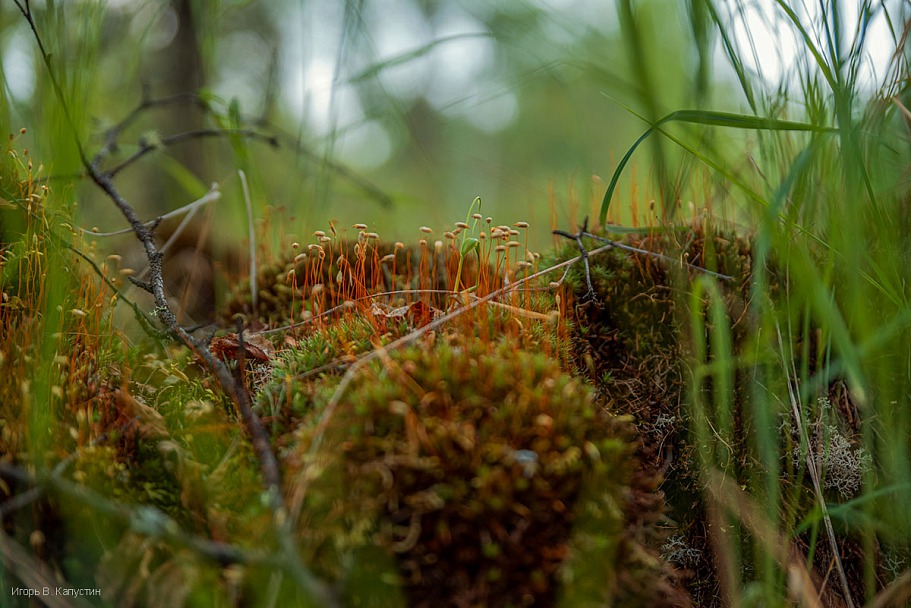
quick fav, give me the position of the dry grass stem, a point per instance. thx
(794, 398)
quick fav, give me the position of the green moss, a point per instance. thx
(467, 463)
(635, 342)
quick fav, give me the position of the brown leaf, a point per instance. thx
(149, 423)
(256, 346)
(421, 313)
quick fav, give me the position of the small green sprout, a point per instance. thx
(469, 243)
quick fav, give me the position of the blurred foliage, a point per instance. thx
(431, 102)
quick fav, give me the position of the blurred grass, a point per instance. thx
(830, 216)
(563, 132)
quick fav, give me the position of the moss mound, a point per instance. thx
(634, 339)
(491, 476)
(327, 275)
(632, 329)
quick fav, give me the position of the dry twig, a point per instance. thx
(583, 232)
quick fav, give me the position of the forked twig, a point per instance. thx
(278, 139)
(583, 232)
(111, 135)
(577, 237)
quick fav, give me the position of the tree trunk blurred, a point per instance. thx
(184, 73)
(189, 264)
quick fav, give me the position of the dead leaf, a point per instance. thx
(256, 346)
(421, 313)
(149, 423)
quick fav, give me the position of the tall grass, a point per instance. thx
(830, 318)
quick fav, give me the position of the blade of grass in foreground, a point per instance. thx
(712, 119)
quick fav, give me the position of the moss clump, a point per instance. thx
(327, 275)
(472, 464)
(631, 336)
(635, 337)
(632, 328)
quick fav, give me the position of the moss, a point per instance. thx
(344, 270)
(633, 342)
(467, 463)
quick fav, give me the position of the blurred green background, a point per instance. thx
(395, 113)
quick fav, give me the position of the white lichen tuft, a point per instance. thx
(676, 551)
(842, 466)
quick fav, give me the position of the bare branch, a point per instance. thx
(212, 195)
(111, 135)
(145, 147)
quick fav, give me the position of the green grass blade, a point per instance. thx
(731, 53)
(605, 204)
(375, 69)
(808, 41)
(707, 118)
